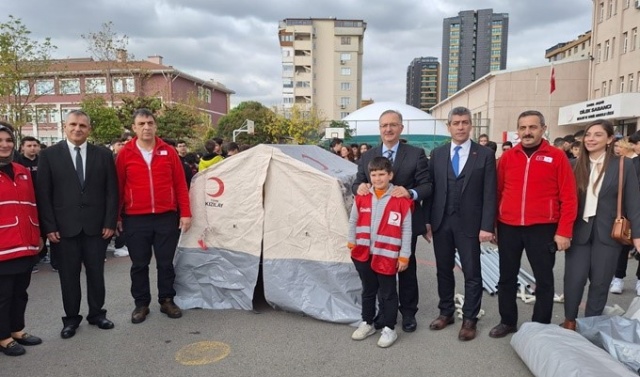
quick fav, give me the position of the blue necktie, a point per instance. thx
(455, 161)
(389, 155)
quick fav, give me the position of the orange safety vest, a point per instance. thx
(386, 249)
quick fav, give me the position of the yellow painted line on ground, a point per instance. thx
(202, 353)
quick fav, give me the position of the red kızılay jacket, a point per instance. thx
(540, 189)
(155, 189)
(19, 228)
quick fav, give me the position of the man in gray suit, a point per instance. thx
(77, 195)
(461, 214)
(411, 178)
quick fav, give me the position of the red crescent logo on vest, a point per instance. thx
(220, 187)
(395, 216)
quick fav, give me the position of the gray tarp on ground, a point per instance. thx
(287, 205)
(617, 335)
(552, 351)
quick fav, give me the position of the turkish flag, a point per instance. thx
(553, 80)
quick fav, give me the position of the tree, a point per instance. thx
(252, 110)
(176, 122)
(303, 127)
(105, 124)
(110, 48)
(131, 104)
(22, 60)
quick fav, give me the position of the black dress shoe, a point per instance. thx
(68, 331)
(502, 330)
(13, 349)
(102, 323)
(28, 340)
(409, 324)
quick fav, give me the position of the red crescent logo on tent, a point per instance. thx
(220, 187)
(395, 216)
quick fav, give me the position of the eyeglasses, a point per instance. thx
(390, 125)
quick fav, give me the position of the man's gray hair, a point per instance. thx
(78, 113)
(459, 111)
(391, 112)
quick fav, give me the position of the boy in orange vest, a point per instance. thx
(380, 243)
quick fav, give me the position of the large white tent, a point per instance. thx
(420, 128)
(281, 206)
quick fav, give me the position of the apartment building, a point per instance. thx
(474, 43)
(579, 48)
(422, 83)
(68, 81)
(614, 90)
(321, 65)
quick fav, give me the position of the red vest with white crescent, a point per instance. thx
(386, 249)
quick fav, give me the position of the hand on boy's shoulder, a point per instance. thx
(363, 189)
(400, 192)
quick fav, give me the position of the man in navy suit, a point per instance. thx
(77, 195)
(411, 178)
(461, 214)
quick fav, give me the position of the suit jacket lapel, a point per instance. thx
(400, 155)
(89, 162)
(443, 166)
(610, 176)
(470, 164)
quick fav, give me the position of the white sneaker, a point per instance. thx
(617, 285)
(638, 287)
(363, 331)
(387, 338)
(121, 252)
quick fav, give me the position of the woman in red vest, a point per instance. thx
(19, 246)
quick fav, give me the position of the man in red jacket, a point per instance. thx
(537, 205)
(154, 202)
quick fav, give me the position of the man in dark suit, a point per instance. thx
(77, 195)
(461, 214)
(411, 178)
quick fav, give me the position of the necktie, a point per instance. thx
(591, 198)
(389, 155)
(455, 160)
(79, 167)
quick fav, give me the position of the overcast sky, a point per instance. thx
(235, 42)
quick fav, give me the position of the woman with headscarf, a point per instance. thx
(19, 246)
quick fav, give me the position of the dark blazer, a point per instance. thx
(69, 208)
(607, 205)
(410, 170)
(478, 198)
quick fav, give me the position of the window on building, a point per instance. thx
(287, 83)
(287, 70)
(44, 87)
(23, 88)
(303, 84)
(287, 100)
(625, 40)
(344, 114)
(95, 85)
(598, 52)
(626, 5)
(345, 71)
(610, 87)
(601, 12)
(606, 50)
(345, 56)
(123, 85)
(345, 40)
(69, 86)
(621, 80)
(631, 82)
(613, 47)
(604, 88)
(609, 8)
(345, 101)
(634, 38)
(345, 86)
(207, 95)
(42, 114)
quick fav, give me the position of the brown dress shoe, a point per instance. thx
(441, 322)
(502, 330)
(468, 330)
(168, 307)
(139, 314)
(569, 324)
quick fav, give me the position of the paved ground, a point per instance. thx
(269, 343)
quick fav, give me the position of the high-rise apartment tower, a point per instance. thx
(473, 44)
(321, 65)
